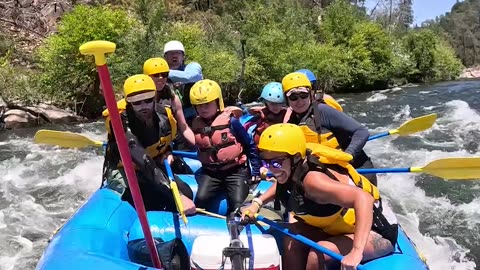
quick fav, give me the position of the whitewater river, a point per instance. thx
(41, 186)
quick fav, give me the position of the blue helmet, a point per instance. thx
(273, 92)
(311, 77)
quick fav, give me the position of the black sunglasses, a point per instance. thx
(295, 96)
(146, 101)
(160, 75)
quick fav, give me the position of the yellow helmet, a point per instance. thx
(155, 66)
(283, 138)
(294, 80)
(205, 91)
(139, 87)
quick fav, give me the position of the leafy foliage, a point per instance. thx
(460, 27)
(67, 76)
(244, 44)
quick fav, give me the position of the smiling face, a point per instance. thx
(175, 59)
(280, 164)
(207, 110)
(299, 101)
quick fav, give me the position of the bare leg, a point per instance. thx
(295, 253)
(376, 247)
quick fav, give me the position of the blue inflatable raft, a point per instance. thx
(96, 236)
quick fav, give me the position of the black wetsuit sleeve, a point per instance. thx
(347, 130)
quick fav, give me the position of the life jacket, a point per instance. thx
(167, 128)
(265, 118)
(167, 121)
(218, 149)
(330, 101)
(320, 134)
(333, 219)
(122, 106)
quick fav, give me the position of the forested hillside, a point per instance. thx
(243, 44)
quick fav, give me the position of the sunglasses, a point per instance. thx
(296, 96)
(273, 163)
(160, 75)
(146, 101)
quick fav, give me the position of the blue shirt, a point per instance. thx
(191, 73)
(248, 145)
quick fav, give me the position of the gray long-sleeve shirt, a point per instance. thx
(350, 134)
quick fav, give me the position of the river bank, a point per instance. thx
(14, 116)
(470, 73)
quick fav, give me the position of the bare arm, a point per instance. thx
(269, 194)
(181, 122)
(322, 189)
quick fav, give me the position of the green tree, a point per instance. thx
(338, 23)
(447, 66)
(421, 46)
(70, 79)
(371, 56)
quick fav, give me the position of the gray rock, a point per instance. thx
(54, 114)
(25, 3)
(20, 119)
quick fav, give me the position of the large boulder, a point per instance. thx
(32, 116)
(21, 119)
(470, 73)
(54, 115)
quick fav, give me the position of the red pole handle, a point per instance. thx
(98, 50)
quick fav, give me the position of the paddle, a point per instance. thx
(461, 168)
(75, 140)
(71, 140)
(98, 49)
(205, 212)
(411, 126)
(65, 139)
(176, 193)
(448, 168)
(302, 239)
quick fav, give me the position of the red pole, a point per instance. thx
(98, 49)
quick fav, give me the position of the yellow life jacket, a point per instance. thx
(330, 101)
(323, 136)
(163, 142)
(122, 106)
(327, 139)
(161, 146)
(334, 220)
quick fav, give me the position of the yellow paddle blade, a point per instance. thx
(178, 201)
(454, 168)
(64, 139)
(415, 125)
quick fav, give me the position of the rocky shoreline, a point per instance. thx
(16, 116)
(470, 73)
